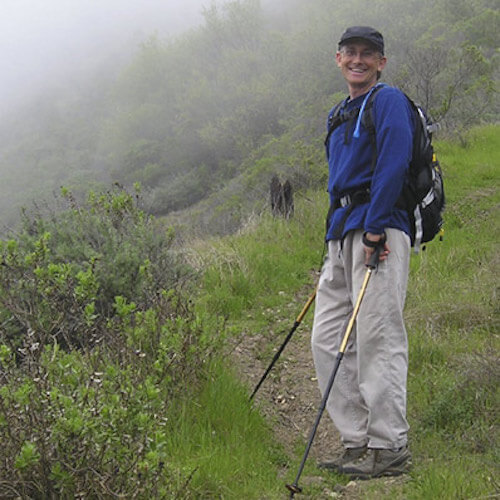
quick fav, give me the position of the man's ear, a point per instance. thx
(382, 62)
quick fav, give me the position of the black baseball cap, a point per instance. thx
(365, 33)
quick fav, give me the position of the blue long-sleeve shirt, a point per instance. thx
(350, 164)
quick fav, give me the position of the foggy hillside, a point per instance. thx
(131, 334)
(63, 40)
(202, 102)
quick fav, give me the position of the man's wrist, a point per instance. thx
(372, 240)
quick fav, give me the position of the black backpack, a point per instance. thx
(423, 193)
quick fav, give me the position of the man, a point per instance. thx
(368, 400)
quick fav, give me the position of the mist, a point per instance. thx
(52, 42)
(183, 97)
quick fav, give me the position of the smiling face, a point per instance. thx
(360, 62)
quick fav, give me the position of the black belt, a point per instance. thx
(351, 201)
(357, 198)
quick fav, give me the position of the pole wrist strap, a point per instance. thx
(373, 244)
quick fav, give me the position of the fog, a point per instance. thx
(48, 41)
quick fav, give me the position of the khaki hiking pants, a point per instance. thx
(368, 400)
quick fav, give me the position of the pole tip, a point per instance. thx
(294, 488)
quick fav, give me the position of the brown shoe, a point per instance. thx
(348, 455)
(378, 462)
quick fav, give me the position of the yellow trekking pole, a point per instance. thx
(298, 321)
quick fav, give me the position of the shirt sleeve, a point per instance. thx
(394, 128)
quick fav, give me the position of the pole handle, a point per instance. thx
(375, 256)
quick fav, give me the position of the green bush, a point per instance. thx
(98, 338)
(96, 422)
(60, 276)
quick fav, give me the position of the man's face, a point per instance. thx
(359, 63)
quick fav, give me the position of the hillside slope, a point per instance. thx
(126, 362)
(264, 276)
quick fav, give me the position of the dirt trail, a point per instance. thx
(290, 398)
(289, 395)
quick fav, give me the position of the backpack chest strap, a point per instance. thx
(363, 115)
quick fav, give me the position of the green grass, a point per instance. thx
(453, 324)
(450, 478)
(452, 320)
(259, 268)
(223, 443)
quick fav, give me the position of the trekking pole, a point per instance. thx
(299, 319)
(372, 264)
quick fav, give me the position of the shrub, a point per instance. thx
(95, 421)
(97, 338)
(60, 277)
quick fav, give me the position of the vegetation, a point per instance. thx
(451, 312)
(211, 115)
(96, 337)
(115, 377)
(93, 395)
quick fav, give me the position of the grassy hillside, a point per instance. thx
(119, 365)
(257, 279)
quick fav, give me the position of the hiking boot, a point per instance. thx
(348, 455)
(378, 462)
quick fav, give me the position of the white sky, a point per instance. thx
(40, 40)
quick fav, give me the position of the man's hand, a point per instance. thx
(374, 239)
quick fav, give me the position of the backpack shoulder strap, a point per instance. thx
(335, 119)
(369, 123)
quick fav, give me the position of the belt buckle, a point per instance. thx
(345, 200)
